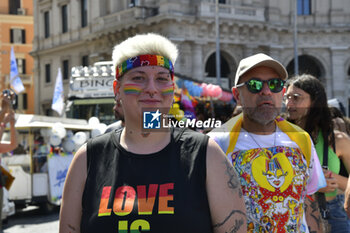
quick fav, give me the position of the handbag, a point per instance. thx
(321, 198)
(6, 178)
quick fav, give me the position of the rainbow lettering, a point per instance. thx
(104, 211)
(127, 197)
(145, 202)
(164, 197)
(124, 200)
(139, 224)
(123, 226)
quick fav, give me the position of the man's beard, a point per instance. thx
(262, 115)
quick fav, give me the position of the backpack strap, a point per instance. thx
(325, 152)
(321, 197)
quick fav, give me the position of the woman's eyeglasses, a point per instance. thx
(255, 85)
(292, 97)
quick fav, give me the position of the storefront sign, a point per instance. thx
(88, 87)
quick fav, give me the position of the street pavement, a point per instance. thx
(32, 220)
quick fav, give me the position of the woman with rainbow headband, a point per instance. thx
(160, 180)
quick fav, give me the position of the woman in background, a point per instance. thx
(307, 107)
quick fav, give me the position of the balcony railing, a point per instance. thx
(26, 79)
(129, 15)
(232, 12)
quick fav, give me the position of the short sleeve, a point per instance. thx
(221, 138)
(316, 177)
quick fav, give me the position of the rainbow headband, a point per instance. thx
(144, 60)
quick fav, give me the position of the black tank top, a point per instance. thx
(162, 192)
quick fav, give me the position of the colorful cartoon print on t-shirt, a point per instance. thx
(273, 182)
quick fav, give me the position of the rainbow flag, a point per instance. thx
(187, 100)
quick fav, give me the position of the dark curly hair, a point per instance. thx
(319, 117)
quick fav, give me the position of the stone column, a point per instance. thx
(75, 16)
(114, 6)
(37, 75)
(275, 52)
(55, 24)
(36, 59)
(338, 75)
(249, 50)
(197, 62)
(95, 8)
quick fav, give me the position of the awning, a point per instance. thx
(93, 101)
(25, 121)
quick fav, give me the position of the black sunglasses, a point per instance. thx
(255, 85)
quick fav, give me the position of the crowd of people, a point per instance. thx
(264, 170)
(279, 163)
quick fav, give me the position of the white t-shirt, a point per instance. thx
(274, 177)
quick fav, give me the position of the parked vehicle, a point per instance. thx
(40, 163)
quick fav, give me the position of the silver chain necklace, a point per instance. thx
(274, 139)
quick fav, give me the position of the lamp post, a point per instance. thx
(218, 66)
(296, 60)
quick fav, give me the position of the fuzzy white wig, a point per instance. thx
(150, 43)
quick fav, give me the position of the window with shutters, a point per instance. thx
(24, 101)
(21, 65)
(13, 6)
(17, 36)
(47, 73)
(46, 24)
(64, 18)
(133, 3)
(304, 7)
(85, 60)
(84, 15)
(65, 72)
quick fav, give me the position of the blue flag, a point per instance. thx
(58, 95)
(15, 80)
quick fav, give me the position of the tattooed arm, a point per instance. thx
(71, 209)
(224, 193)
(313, 216)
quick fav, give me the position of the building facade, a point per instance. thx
(16, 30)
(80, 32)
